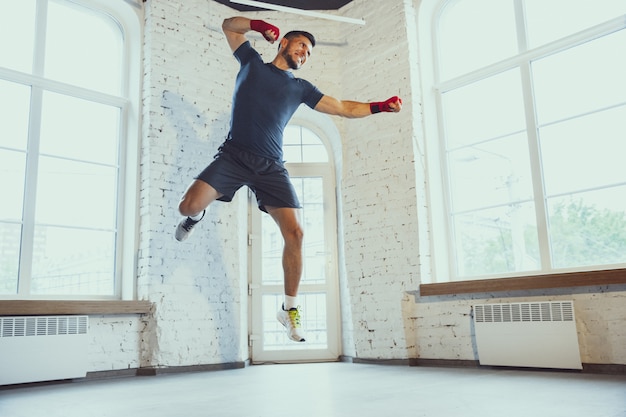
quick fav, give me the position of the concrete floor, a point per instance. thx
(328, 390)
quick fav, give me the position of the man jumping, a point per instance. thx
(265, 98)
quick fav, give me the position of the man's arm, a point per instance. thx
(235, 29)
(355, 109)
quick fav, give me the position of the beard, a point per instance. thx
(293, 64)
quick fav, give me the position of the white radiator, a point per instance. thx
(42, 348)
(536, 334)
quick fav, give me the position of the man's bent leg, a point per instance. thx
(290, 228)
(197, 198)
(193, 204)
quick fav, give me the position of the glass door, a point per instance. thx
(318, 292)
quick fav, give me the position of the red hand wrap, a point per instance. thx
(262, 27)
(383, 106)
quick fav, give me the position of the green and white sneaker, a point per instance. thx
(291, 320)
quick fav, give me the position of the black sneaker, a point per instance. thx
(185, 227)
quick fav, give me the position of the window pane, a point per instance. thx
(292, 154)
(292, 135)
(549, 20)
(72, 262)
(12, 175)
(310, 192)
(467, 35)
(584, 153)
(581, 79)
(17, 22)
(313, 150)
(588, 228)
(76, 194)
(314, 153)
(310, 138)
(302, 145)
(10, 235)
(484, 110)
(272, 252)
(492, 173)
(79, 129)
(292, 144)
(14, 112)
(497, 241)
(83, 48)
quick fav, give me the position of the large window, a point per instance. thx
(531, 103)
(64, 115)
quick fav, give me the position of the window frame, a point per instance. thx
(438, 280)
(127, 17)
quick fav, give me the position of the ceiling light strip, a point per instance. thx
(310, 13)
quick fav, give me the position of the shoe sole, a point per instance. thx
(182, 238)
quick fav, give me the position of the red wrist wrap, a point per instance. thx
(262, 27)
(383, 106)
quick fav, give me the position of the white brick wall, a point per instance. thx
(379, 181)
(114, 342)
(197, 285)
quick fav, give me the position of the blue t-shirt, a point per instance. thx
(264, 100)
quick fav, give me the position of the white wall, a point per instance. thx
(197, 286)
(379, 186)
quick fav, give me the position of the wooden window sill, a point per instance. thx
(535, 282)
(58, 307)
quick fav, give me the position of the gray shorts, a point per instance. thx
(268, 179)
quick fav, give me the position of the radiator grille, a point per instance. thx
(42, 326)
(43, 348)
(527, 334)
(524, 312)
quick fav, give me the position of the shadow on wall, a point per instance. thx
(197, 319)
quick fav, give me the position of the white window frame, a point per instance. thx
(441, 245)
(128, 16)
